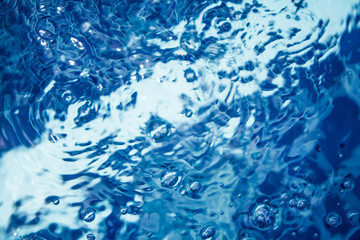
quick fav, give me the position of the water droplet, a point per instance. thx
(292, 202)
(195, 186)
(285, 196)
(90, 236)
(170, 179)
(190, 75)
(124, 211)
(190, 42)
(302, 203)
(297, 169)
(354, 217)
(159, 129)
(263, 217)
(225, 27)
(67, 96)
(207, 232)
(46, 28)
(56, 201)
(188, 113)
(221, 184)
(347, 185)
(333, 220)
(88, 215)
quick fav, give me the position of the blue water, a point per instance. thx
(177, 120)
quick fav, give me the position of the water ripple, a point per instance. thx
(179, 119)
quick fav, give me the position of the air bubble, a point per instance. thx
(302, 203)
(195, 186)
(292, 202)
(90, 236)
(170, 179)
(333, 220)
(88, 215)
(190, 75)
(263, 217)
(46, 28)
(354, 217)
(225, 27)
(207, 232)
(56, 201)
(124, 211)
(190, 42)
(347, 185)
(188, 113)
(67, 96)
(159, 129)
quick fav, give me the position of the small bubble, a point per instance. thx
(292, 202)
(195, 186)
(67, 96)
(353, 217)
(124, 211)
(340, 155)
(170, 179)
(285, 196)
(316, 235)
(212, 213)
(188, 113)
(207, 232)
(231, 205)
(190, 75)
(225, 27)
(221, 212)
(302, 203)
(88, 215)
(221, 184)
(293, 234)
(333, 220)
(159, 129)
(347, 185)
(190, 42)
(56, 201)
(263, 217)
(297, 169)
(90, 236)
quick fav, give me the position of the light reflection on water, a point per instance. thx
(179, 120)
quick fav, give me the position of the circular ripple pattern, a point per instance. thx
(179, 119)
(8, 7)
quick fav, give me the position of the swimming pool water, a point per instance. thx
(184, 119)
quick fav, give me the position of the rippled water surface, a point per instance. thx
(181, 119)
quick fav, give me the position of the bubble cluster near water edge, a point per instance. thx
(179, 119)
